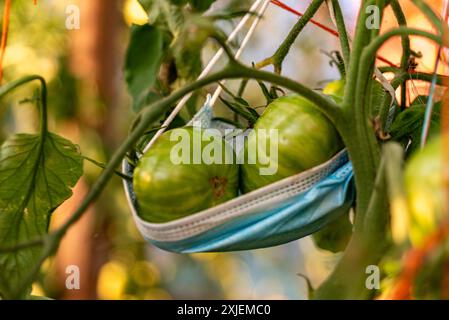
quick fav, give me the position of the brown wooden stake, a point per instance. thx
(6, 13)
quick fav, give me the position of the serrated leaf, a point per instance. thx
(37, 173)
(408, 125)
(265, 92)
(143, 61)
(186, 32)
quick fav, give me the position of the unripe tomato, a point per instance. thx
(305, 138)
(424, 182)
(168, 189)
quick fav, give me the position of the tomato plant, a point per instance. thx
(162, 65)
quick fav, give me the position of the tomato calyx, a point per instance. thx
(219, 185)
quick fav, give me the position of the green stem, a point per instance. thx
(373, 220)
(367, 57)
(23, 245)
(365, 159)
(343, 35)
(368, 243)
(400, 78)
(388, 69)
(365, 249)
(278, 57)
(365, 70)
(405, 76)
(5, 89)
(361, 39)
(102, 166)
(237, 70)
(430, 14)
(364, 75)
(406, 51)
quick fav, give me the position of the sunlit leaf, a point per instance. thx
(36, 176)
(143, 61)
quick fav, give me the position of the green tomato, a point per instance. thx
(302, 138)
(173, 180)
(424, 182)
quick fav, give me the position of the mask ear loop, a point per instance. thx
(214, 60)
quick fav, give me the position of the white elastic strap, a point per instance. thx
(257, 201)
(205, 72)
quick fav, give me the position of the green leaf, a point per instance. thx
(244, 111)
(201, 5)
(335, 236)
(36, 176)
(408, 125)
(419, 100)
(265, 92)
(143, 61)
(164, 13)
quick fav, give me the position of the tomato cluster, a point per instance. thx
(167, 191)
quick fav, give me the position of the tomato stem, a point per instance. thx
(368, 242)
(290, 9)
(406, 51)
(342, 33)
(280, 54)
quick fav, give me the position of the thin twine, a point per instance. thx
(206, 70)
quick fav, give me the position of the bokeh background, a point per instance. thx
(89, 105)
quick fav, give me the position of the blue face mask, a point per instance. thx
(282, 212)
